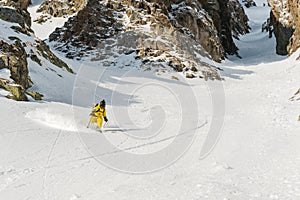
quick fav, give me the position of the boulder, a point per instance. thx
(249, 3)
(45, 51)
(12, 15)
(20, 4)
(15, 58)
(35, 95)
(17, 91)
(188, 75)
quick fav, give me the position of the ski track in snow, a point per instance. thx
(48, 161)
(141, 145)
(43, 156)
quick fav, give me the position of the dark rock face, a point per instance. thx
(225, 31)
(18, 15)
(239, 20)
(59, 8)
(19, 4)
(13, 55)
(249, 3)
(209, 23)
(286, 21)
(295, 39)
(202, 30)
(220, 12)
(17, 91)
(21, 17)
(228, 18)
(45, 51)
(15, 59)
(282, 34)
(93, 23)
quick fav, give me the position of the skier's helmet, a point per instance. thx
(102, 103)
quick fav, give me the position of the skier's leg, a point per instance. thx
(99, 122)
(93, 119)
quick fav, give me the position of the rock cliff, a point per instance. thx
(59, 8)
(17, 45)
(286, 21)
(171, 31)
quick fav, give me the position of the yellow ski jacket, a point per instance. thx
(99, 111)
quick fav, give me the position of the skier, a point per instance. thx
(264, 27)
(271, 30)
(98, 114)
(268, 25)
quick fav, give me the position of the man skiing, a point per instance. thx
(98, 114)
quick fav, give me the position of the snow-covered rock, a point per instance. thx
(58, 8)
(18, 44)
(178, 34)
(286, 21)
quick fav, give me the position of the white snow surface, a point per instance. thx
(43, 30)
(46, 151)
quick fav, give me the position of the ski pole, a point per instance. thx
(89, 120)
(88, 124)
(104, 124)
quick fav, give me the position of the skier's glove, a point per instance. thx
(92, 114)
(105, 119)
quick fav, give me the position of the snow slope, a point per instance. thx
(43, 31)
(159, 129)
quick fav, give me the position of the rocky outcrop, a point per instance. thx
(286, 21)
(44, 50)
(14, 58)
(14, 55)
(19, 15)
(294, 44)
(211, 23)
(19, 4)
(17, 91)
(86, 30)
(296, 96)
(200, 27)
(58, 8)
(239, 20)
(221, 15)
(249, 3)
(22, 17)
(283, 35)
(172, 31)
(35, 95)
